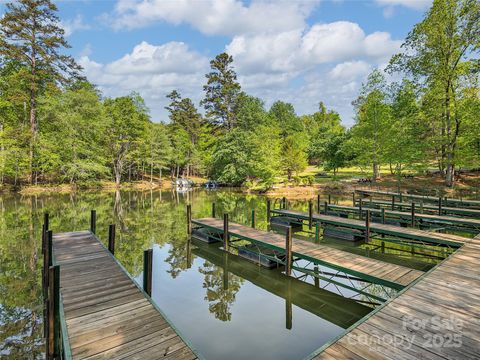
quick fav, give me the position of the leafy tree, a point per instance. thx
(441, 52)
(221, 92)
(31, 35)
(127, 119)
(370, 132)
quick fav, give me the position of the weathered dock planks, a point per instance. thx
(380, 272)
(382, 229)
(436, 317)
(107, 315)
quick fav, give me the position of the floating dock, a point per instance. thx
(98, 311)
(379, 272)
(436, 317)
(415, 218)
(423, 198)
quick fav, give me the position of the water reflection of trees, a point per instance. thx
(221, 289)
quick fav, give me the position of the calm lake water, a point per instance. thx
(225, 306)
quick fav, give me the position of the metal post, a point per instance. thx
(93, 221)
(310, 215)
(254, 219)
(268, 211)
(213, 210)
(288, 251)
(111, 238)
(53, 340)
(318, 203)
(439, 206)
(367, 226)
(147, 271)
(413, 214)
(226, 236)
(189, 219)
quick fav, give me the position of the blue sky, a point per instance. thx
(302, 52)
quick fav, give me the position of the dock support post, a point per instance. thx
(288, 307)
(225, 233)
(45, 282)
(147, 271)
(93, 221)
(382, 211)
(189, 219)
(213, 210)
(288, 251)
(353, 198)
(439, 206)
(360, 210)
(310, 215)
(367, 226)
(393, 202)
(317, 232)
(44, 238)
(329, 198)
(111, 238)
(53, 340)
(284, 201)
(254, 219)
(268, 211)
(325, 207)
(46, 220)
(413, 214)
(318, 203)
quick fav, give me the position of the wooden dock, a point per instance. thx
(423, 198)
(441, 210)
(379, 272)
(416, 218)
(107, 315)
(381, 229)
(436, 317)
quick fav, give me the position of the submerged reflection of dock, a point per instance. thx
(334, 308)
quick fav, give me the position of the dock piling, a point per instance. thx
(225, 232)
(46, 220)
(382, 211)
(367, 226)
(254, 219)
(318, 203)
(325, 208)
(111, 238)
(353, 198)
(439, 206)
(189, 219)
(310, 215)
(288, 251)
(329, 198)
(413, 214)
(393, 202)
(268, 211)
(93, 221)
(147, 271)
(360, 210)
(53, 340)
(213, 210)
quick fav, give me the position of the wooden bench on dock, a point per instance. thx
(97, 310)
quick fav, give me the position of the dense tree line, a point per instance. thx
(56, 127)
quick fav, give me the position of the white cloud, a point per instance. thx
(72, 25)
(153, 71)
(350, 70)
(411, 4)
(226, 17)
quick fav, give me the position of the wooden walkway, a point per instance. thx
(379, 272)
(107, 315)
(431, 199)
(437, 317)
(382, 229)
(468, 223)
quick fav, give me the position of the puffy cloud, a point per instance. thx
(226, 17)
(153, 71)
(350, 70)
(72, 25)
(296, 50)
